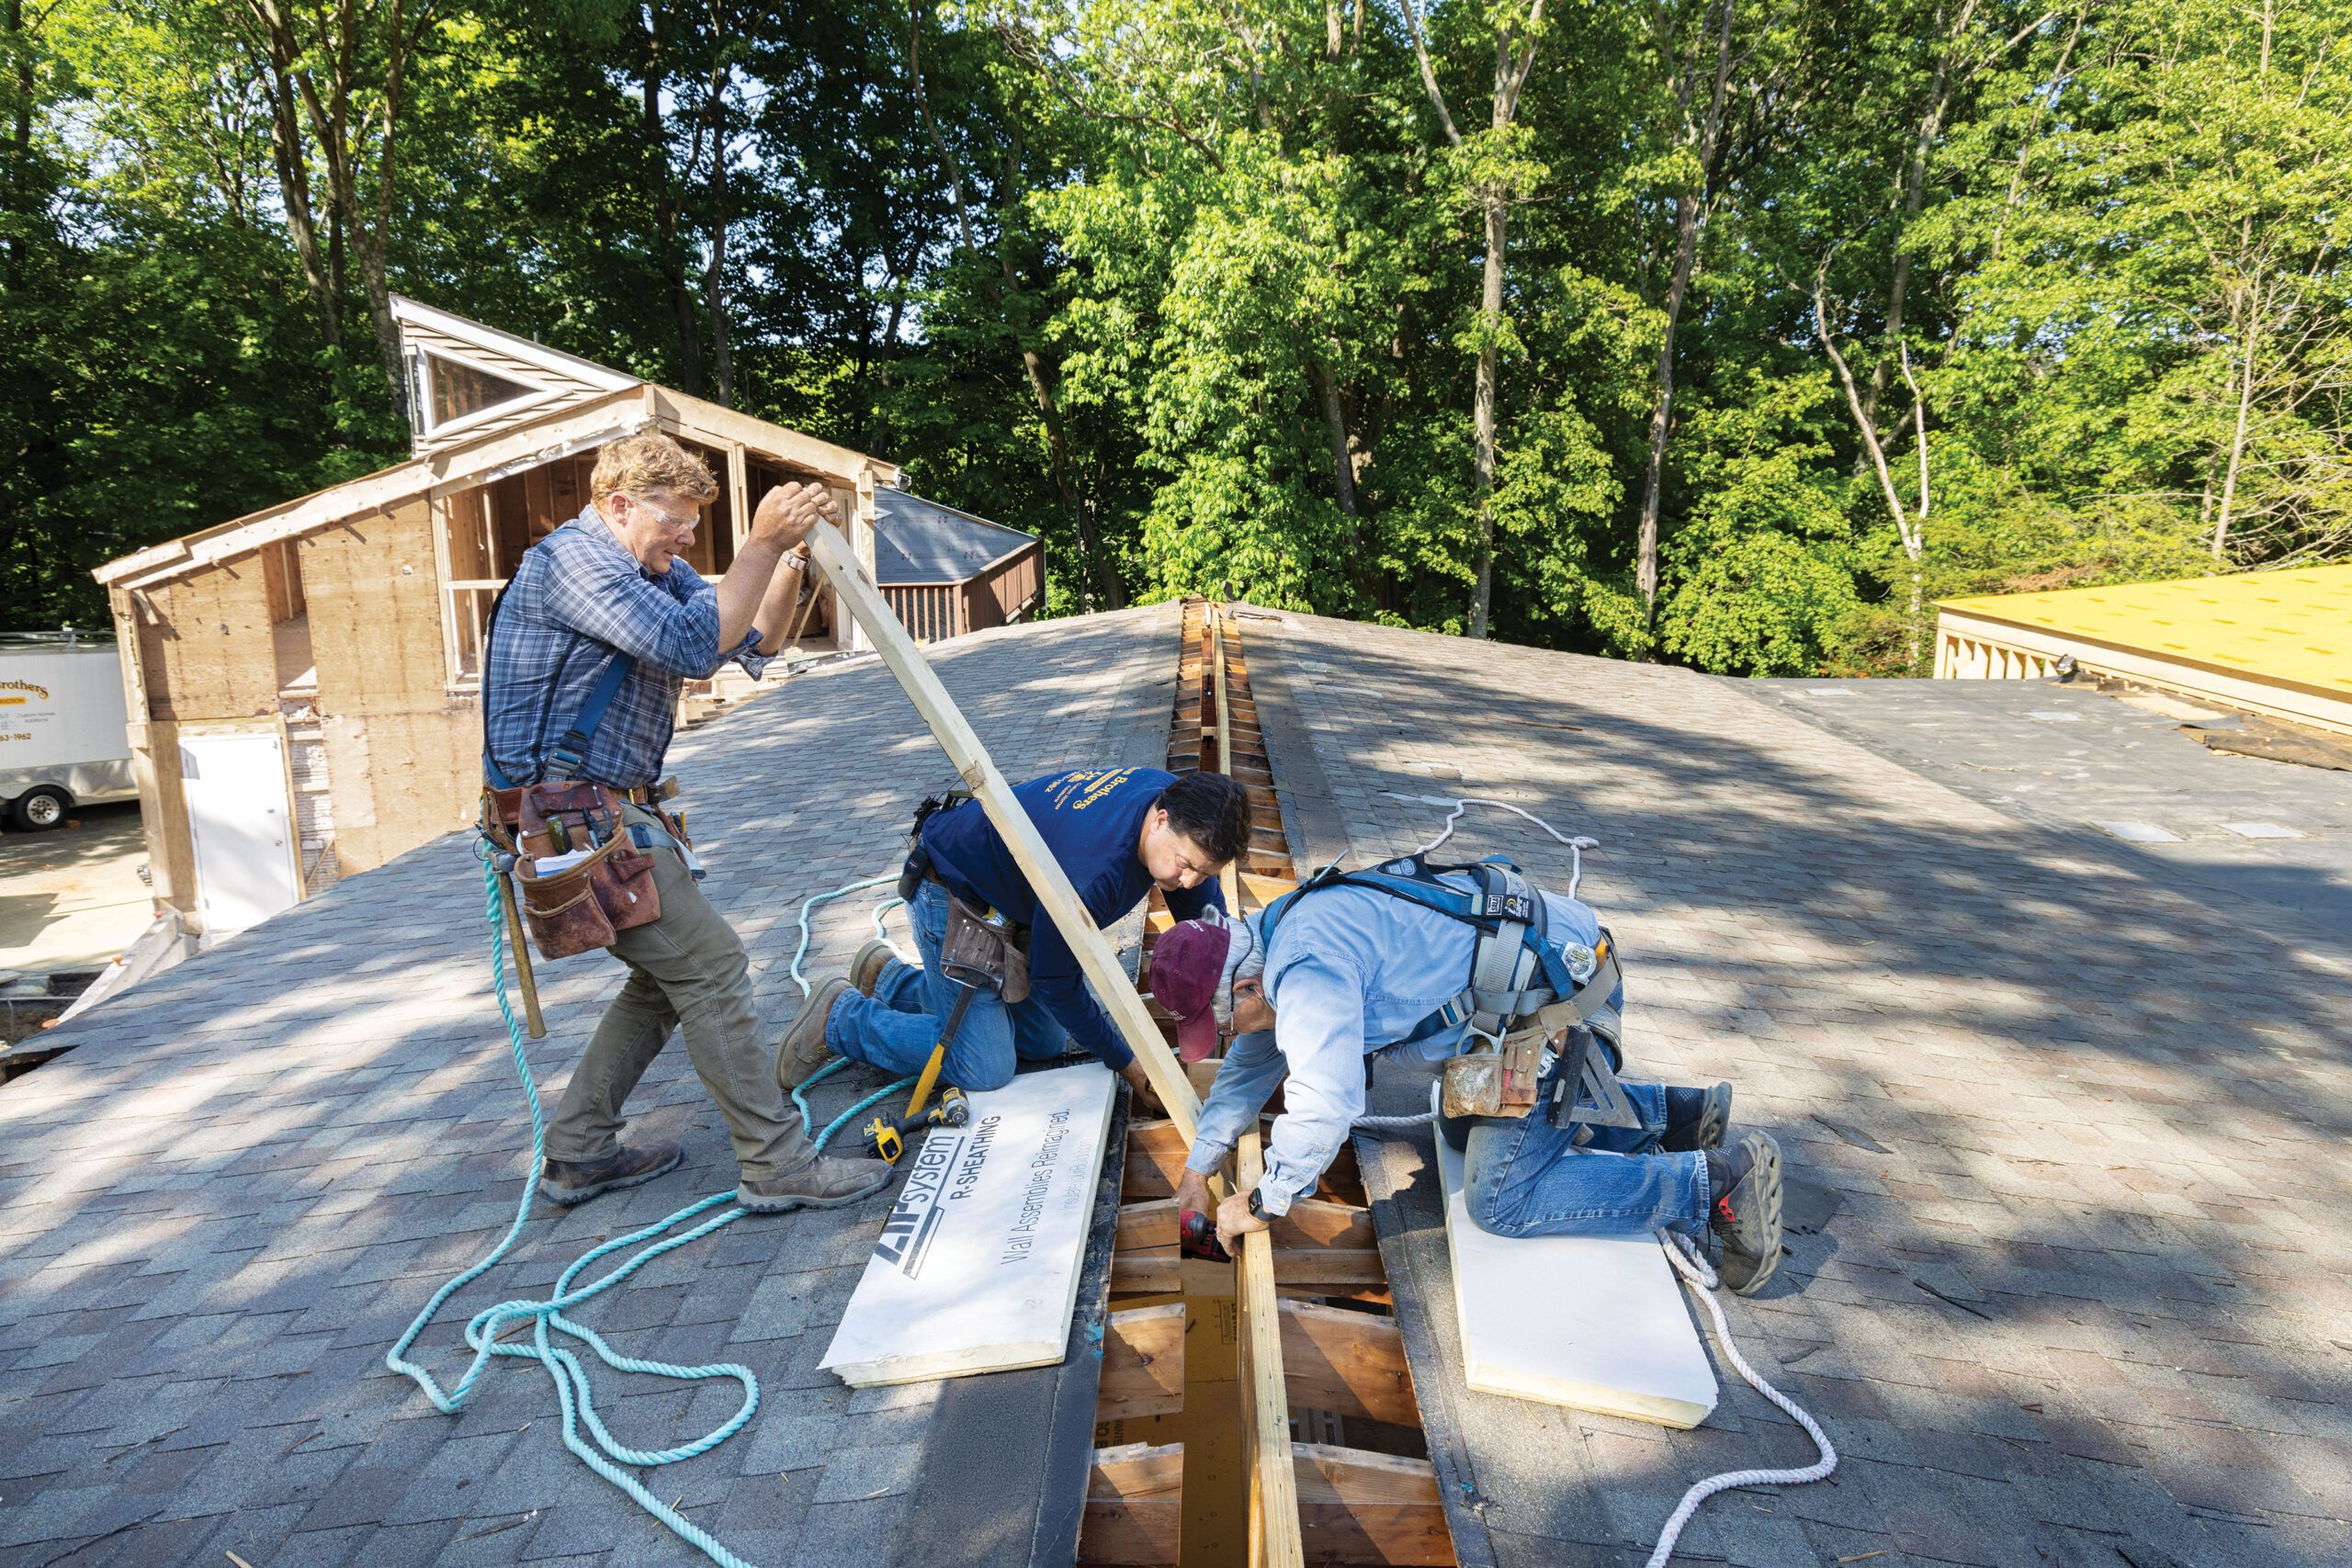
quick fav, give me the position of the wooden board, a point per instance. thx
(1275, 1535)
(1143, 1363)
(403, 758)
(1590, 1323)
(1134, 1505)
(1350, 1362)
(854, 587)
(1366, 1507)
(978, 1265)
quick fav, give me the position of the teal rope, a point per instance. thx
(484, 1330)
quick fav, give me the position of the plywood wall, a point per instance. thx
(403, 757)
(207, 654)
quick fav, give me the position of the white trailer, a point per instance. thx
(63, 737)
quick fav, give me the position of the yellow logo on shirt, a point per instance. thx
(1087, 787)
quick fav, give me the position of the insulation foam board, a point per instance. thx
(977, 1268)
(1590, 1323)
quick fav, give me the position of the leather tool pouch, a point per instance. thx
(1494, 1080)
(586, 904)
(976, 948)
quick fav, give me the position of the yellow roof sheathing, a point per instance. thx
(2293, 625)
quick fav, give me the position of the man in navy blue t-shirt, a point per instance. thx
(1118, 832)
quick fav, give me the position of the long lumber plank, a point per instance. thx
(956, 735)
(1275, 1538)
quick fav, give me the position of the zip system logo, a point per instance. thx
(914, 1219)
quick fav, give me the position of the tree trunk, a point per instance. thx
(21, 141)
(667, 256)
(294, 196)
(1914, 187)
(1482, 410)
(2237, 438)
(714, 275)
(1689, 207)
(1335, 423)
(1013, 308)
(1511, 65)
(373, 238)
(365, 231)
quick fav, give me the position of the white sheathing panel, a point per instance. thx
(1590, 1324)
(977, 1268)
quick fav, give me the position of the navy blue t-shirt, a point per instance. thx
(1091, 820)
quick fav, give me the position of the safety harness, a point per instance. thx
(1519, 982)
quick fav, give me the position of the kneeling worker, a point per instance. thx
(1118, 832)
(1360, 963)
(588, 647)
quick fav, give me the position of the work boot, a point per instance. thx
(823, 1183)
(569, 1181)
(865, 969)
(1745, 1213)
(800, 1050)
(1696, 1119)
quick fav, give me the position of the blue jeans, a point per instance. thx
(895, 1028)
(1528, 1177)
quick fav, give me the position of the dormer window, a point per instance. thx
(451, 390)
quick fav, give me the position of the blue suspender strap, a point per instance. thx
(572, 748)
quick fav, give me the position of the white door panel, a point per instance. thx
(234, 783)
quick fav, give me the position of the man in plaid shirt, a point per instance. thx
(607, 584)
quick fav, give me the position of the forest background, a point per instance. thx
(1723, 331)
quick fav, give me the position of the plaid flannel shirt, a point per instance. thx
(576, 597)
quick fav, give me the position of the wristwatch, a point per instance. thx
(1257, 1206)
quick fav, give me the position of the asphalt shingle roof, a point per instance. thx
(923, 541)
(220, 1208)
(2068, 1134)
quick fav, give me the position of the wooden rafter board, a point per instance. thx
(956, 735)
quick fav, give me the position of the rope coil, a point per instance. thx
(486, 1330)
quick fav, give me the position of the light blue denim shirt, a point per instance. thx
(1351, 972)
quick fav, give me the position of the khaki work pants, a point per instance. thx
(686, 970)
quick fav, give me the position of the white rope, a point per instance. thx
(1422, 1119)
(1695, 1272)
(1576, 846)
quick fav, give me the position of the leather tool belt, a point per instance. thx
(575, 905)
(984, 950)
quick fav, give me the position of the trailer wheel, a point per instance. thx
(41, 808)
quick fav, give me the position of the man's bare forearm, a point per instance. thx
(775, 615)
(744, 587)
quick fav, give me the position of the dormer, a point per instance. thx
(467, 380)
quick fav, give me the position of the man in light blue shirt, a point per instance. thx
(1353, 971)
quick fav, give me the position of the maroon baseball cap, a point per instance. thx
(1186, 966)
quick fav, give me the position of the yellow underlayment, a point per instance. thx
(2279, 625)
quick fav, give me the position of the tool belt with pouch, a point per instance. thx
(980, 948)
(581, 866)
